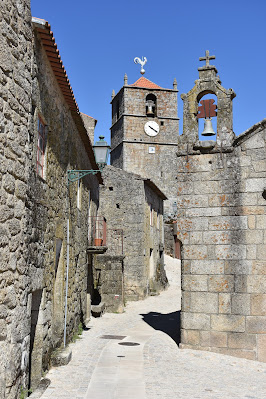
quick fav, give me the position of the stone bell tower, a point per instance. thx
(208, 83)
(144, 131)
(220, 192)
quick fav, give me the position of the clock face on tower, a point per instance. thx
(151, 128)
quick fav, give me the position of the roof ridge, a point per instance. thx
(144, 82)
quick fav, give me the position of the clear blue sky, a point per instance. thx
(98, 41)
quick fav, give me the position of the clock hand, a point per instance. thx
(153, 128)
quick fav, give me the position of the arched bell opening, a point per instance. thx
(151, 105)
(207, 116)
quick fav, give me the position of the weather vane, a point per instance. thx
(142, 62)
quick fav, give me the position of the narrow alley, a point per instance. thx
(134, 356)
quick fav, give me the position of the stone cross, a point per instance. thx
(207, 58)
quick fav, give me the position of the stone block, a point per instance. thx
(190, 337)
(3, 330)
(195, 321)
(195, 252)
(185, 266)
(9, 183)
(241, 304)
(252, 222)
(251, 251)
(256, 284)
(261, 221)
(200, 224)
(207, 266)
(224, 283)
(206, 187)
(217, 237)
(21, 190)
(261, 348)
(204, 302)
(185, 301)
(196, 238)
(228, 223)
(194, 283)
(225, 303)
(255, 141)
(61, 357)
(218, 339)
(241, 283)
(231, 251)
(241, 266)
(261, 252)
(14, 227)
(258, 305)
(199, 212)
(185, 188)
(241, 341)
(228, 322)
(254, 237)
(258, 267)
(205, 338)
(254, 185)
(256, 324)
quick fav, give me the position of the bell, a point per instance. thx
(208, 129)
(150, 110)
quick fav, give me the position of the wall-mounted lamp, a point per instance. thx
(101, 152)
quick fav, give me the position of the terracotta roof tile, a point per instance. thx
(146, 83)
(50, 47)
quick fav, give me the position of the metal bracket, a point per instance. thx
(75, 175)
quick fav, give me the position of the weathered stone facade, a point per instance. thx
(35, 208)
(131, 148)
(133, 208)
(15, 107)
(216, 208)
(221, 224)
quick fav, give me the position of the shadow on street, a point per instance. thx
(167, 323)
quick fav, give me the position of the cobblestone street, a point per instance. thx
(156, 368)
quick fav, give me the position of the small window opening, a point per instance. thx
(162, 123)
(118, 206)
(111, 188)
(264, 194)
(151, 106)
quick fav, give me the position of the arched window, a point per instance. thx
(151, 106)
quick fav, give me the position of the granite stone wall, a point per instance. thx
(221, 224)
(15, 108)
(126, 202)
(34, 209)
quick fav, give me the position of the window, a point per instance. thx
(41, 147)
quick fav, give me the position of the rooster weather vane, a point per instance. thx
(142, 62)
